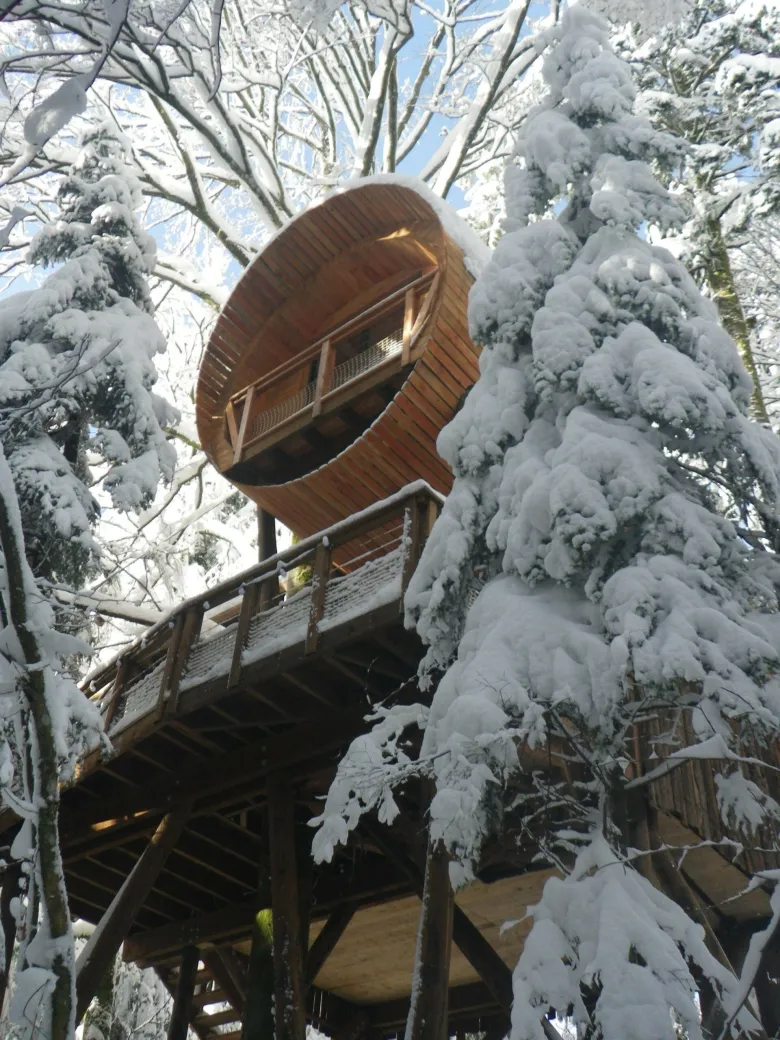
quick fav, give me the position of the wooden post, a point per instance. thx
(406, 351)
(428, 1011)
(266, 547)
(230, 416)
(319, 586)
(238, 447)
(11, 876)
(103, 944)
(289, 984)
(324, 376)
(193, 620)
(185, 989)
(248, 610)
(258, 1020)
(116, 691)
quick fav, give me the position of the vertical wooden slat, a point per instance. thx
(230, 417)
(319, 586)
(120, 678)
(171, 656)
(324, 375)
(289, 981)
(185, 990)
(193, 620)
(428, 1009)
(248, 609)
(406, 351)
(245, 415)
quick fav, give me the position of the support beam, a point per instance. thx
(103, 945)
(482, 957)
(289, 984)
(325, 943)
(185, 989)
(226, 968)
(428, 1016)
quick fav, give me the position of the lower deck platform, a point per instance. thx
(227, 723)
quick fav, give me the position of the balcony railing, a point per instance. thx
(285, 398)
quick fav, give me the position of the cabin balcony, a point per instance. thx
(308, 409)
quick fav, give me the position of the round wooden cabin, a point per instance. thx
(339, 357)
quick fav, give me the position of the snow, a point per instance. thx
(52, 114)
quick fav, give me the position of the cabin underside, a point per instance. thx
(227, 724)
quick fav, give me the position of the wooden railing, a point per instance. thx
(162, 655)
(312, 398)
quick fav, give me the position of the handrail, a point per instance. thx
(334, 336)
(173, 628)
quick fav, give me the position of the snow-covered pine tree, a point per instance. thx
(77, 366)
(713, 79)
(617, 509)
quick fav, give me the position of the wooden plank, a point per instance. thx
(103, 944)
(289, 979)
(232, 425)
(319, 588)
(185, 989)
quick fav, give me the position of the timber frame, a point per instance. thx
(191, 845)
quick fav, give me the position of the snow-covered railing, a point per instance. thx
(333, 577)
(307, 385)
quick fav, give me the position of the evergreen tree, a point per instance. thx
(616, 511)
(77, 366)
(713, 80)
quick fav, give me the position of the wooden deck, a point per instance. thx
(246, 683)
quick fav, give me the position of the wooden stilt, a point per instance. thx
(103, 944)
(289, 983)
(185, 989)
(258, 1020)
(428, 1015)
(266, 546)
(11, 876)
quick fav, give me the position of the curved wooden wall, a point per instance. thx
(307, 274)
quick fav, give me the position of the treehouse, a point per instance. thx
(340, 355)
(333, 367)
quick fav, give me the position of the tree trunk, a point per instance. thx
(428, 1011)
(46, 795)
(720, 279)
(97, 1021)
(258, 1022)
